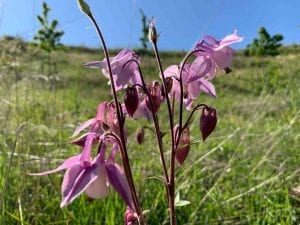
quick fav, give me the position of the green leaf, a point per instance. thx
(179, 202)
(182, 203)
(41, 20)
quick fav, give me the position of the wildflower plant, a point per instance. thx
(178, 86)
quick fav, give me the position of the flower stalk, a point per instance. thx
(121, 124)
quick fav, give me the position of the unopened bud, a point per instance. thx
(208, 121)
(169, 84)
(131, 100)
(84, 7)
(156, 96)
(140, 135)
(152, 34)
(131, 217)
(184, 146)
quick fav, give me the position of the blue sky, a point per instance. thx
(181, 23)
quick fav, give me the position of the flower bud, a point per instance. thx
(140, 135)
(184, 146)
(152, 34)
(169, 84)
(131, 100)
(156, 96)
(130, 217)
(208, 121)
(84, 7)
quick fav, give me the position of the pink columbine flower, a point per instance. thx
(219, 52)
(194, 80)
(93, 178)
(104, 121)
(124, 70)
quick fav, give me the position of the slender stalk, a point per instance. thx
(171, 186)
(181, 92)
(157, 128)
(126, 163)
(190, 116)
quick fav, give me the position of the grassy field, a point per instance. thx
(247, 172)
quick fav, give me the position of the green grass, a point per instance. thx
(243, 174)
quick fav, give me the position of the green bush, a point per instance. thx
(47, 37)
(264, 45)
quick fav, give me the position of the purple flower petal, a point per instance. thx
(99, 187)
(101, 111)
(230, 39)
(124, 70)
(118, 180)
(199, 68)
(86, 152)
(68, 163)
(96, 64)
(207, 87)
(69, 179)
(223, 57)
(171, 71)
(83, 126)
(76, 181)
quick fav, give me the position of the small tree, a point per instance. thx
(265, 44)
(47, 37)
(145, 28)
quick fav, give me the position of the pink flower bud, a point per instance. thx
(208, 121)
(169, 85)
(130, 217)
(140, 134)
(184, 146)
(156, 96)
(131, 100)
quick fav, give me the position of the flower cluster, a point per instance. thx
(105, 134)
(94, 176)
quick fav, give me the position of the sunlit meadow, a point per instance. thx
(246, 172)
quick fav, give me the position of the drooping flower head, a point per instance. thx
(219, 51)
(93, 178)
(194, 81)
(124, 68)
